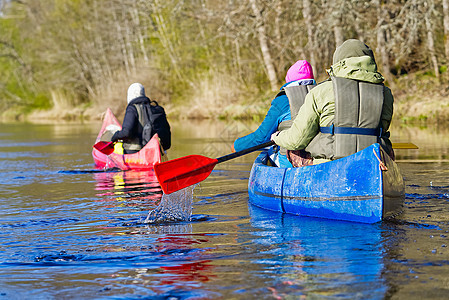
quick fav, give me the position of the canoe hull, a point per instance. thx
(353, 188)
(142, 160)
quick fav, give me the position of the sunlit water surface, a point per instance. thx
(69, 231)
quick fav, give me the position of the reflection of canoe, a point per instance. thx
(352, 188)
(137, 187)
(144, 159)
(343, 259)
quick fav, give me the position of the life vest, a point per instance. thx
(296, 95)
(358, 110)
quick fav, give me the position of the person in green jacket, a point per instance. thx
(352, 60)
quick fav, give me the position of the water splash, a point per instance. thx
(174, 207)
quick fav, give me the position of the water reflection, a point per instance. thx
(320, 257)
(432, 142)
(80, 234)
(173, 262)
(416, 264)
(131, 188)
(199, 271)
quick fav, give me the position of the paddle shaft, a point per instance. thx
(270, 143)
(182, 172)
(243, 152)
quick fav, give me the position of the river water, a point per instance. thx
(69, 231)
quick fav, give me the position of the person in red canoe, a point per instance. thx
(143, 118)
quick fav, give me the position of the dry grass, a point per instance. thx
(65, 108)
(211, 96)
(421, 98)
(217, 96)
(112, 94)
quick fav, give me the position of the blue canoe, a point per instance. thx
(353, 188)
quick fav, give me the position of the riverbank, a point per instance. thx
(419, 99)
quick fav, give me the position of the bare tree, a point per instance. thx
(446, 28)
(81, 47)
(429, 8)
(307, 11)
(337, 21)
(263, 41)
(381, 40)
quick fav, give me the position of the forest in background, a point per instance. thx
(71, 59)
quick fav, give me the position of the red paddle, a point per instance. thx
(105, 147)
(182, 172)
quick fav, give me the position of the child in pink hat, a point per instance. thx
(300, 70)
(300, 73)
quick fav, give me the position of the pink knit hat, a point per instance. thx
(300, 70)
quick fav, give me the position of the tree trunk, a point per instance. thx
(121, 40)
(128, 44)
(430, 38)
(263, 41)
(446, 28)
(337, 22)
(381, 42)
(278, 38)
(307, 12)
(338, 33)
(139, 27)
(99, 43)
(165, 40)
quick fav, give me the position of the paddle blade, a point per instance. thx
(404, 146)
(182, 172)
(105, 147)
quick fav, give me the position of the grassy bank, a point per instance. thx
(419, 99)
(422, 99)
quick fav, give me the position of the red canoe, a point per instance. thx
(144, 159)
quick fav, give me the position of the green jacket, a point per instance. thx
(319, 106)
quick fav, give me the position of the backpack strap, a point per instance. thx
(145, 117)
(149, 114)
(141, 114)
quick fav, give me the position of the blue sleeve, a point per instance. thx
(279, 107)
